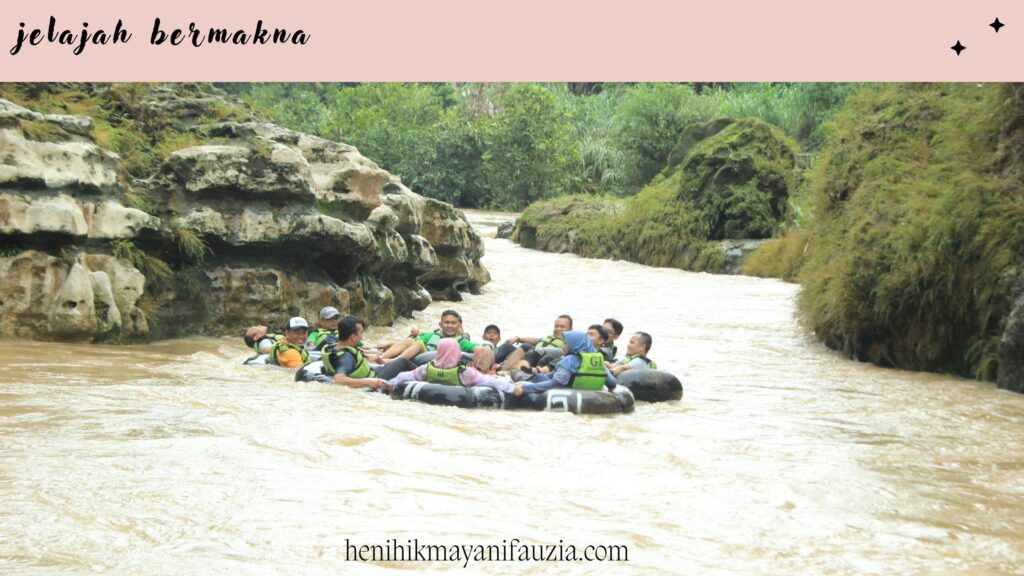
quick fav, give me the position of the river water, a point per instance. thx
(782, 458)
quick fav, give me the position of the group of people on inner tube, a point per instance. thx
(587, 361)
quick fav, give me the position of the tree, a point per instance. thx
(530, 152)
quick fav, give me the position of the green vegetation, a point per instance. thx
(157, 271)
(779, 258)
(43, 131)
(125, 120)
(906, 233)
(914, 228)
(529, 153)
(732, 184)
(568, 223)
(190, 245)
(906, 230)
(506, 145)
(10, 249)
(739, 178)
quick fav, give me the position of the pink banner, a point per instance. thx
(534, 40)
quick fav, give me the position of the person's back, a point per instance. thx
(447, 376)
(327, 333)
(591, 373)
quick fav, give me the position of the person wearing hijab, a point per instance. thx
(445, 368)
(582, 367)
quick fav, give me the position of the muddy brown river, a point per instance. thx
(782, 458)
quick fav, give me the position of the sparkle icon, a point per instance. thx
(997, 25)
(958, 48)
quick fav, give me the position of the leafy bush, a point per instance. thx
(529, 150)
(646, 127)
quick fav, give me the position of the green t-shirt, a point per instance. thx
(424, 339)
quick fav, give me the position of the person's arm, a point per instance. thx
(344, 380)
(345, 365)
(539, 384)
(560, 378)
(265, 344)
(417, 374)
(617, 368)
(609, 380)
(499, 384)
(522, 340)
(467, 345)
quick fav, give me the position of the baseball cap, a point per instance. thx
(296, 323)
(329, 312)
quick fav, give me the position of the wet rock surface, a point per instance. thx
(255, 223)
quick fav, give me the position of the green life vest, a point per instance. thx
(650, 363)
(590, 375)
(431, 343)
(282, 345)
(275, 338)
(360, 370)
(551, 342)
(318, 337)
(447, 376)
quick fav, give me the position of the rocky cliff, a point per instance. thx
(245, 222)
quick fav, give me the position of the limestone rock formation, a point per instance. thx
(245, 222)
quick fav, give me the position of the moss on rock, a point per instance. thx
(727, 179)
(915, 224)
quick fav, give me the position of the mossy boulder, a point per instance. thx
(561, 224)
(739, 177)
(918, 230)
(726, 180)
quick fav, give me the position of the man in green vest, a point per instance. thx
(290, 352)
(417, 343)
(510, 356)
(636, 355)
(347, 364)
(614, 328)
(598, 335)
(328, 330)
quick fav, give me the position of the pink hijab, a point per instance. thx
(483, 359)
(448, 353)
(448, 356)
